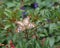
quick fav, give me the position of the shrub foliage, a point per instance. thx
(45, 14)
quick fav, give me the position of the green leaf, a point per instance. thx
(42, 35)
(52, 27)
(38, 44)
(58, 38)
(6, 27)
(51, 41)
(10, 4)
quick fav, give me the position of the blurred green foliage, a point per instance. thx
(46, 34)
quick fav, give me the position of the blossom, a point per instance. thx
(24, 15)
(48, 20)
(11, 44)
(34, 5)
(22, 8)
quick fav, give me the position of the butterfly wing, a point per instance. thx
(30, 25)
(26, 21)
(20, 26)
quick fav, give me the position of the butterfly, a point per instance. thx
(24, 24)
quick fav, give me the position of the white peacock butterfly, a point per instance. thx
(24, 24)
